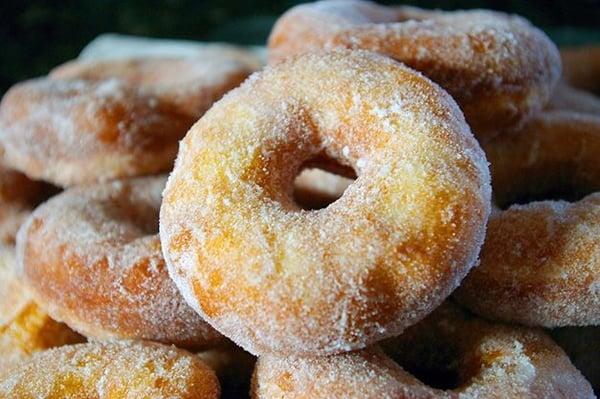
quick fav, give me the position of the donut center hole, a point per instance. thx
(438, 367)
(316, 188)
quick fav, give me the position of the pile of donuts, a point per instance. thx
(401, 204)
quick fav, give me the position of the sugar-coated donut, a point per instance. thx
(192, 84)
(24, 327)
(540, 264)
(92, 256)
(582, 67)
(568, 98)
(116, 370)
(498, 67)
(448, 355)
(582, 344)
(97, 121)
(276, 278)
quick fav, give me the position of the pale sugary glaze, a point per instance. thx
(92, 256)
(102, 120)
(465, 357)
(540, 264)
(117, 370)
(498, 67)
(275, 278)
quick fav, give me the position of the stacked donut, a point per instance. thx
(327, 215)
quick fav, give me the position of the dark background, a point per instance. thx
(37, 35)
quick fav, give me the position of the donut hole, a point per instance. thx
(439, 365)
(316, 188)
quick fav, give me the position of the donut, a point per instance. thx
(98, 121)
(582, 66)
(450, 354)
(278, 279)
(582, 344)
(498, 67)
(568, 98)
(111, 370)
(92, 256)
(539, 264)
(24, 327)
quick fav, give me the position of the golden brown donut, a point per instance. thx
(102, 120)
(540, 262)
(448, 355)
(582, 67)
(498, 67)
(582, 344)
(276, 278)
(92, 257)
(116, 370)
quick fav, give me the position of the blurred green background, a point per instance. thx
(37, 35)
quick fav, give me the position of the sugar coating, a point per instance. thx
(111, 370)
(498, 67)
(92, 257)
(275, 278)
(100, 120)
(492, 361)
(540, 264)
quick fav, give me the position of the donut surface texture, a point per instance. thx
(450, 355)
(276, 278)
(92, 256)
(540, 264)
(115, 370)
(498, 67)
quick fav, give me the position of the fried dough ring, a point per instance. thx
(461, 356)
(539, 264)
(498, 67)
(274, 278)
(103, 120)
(91, 255)
(111, 370)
